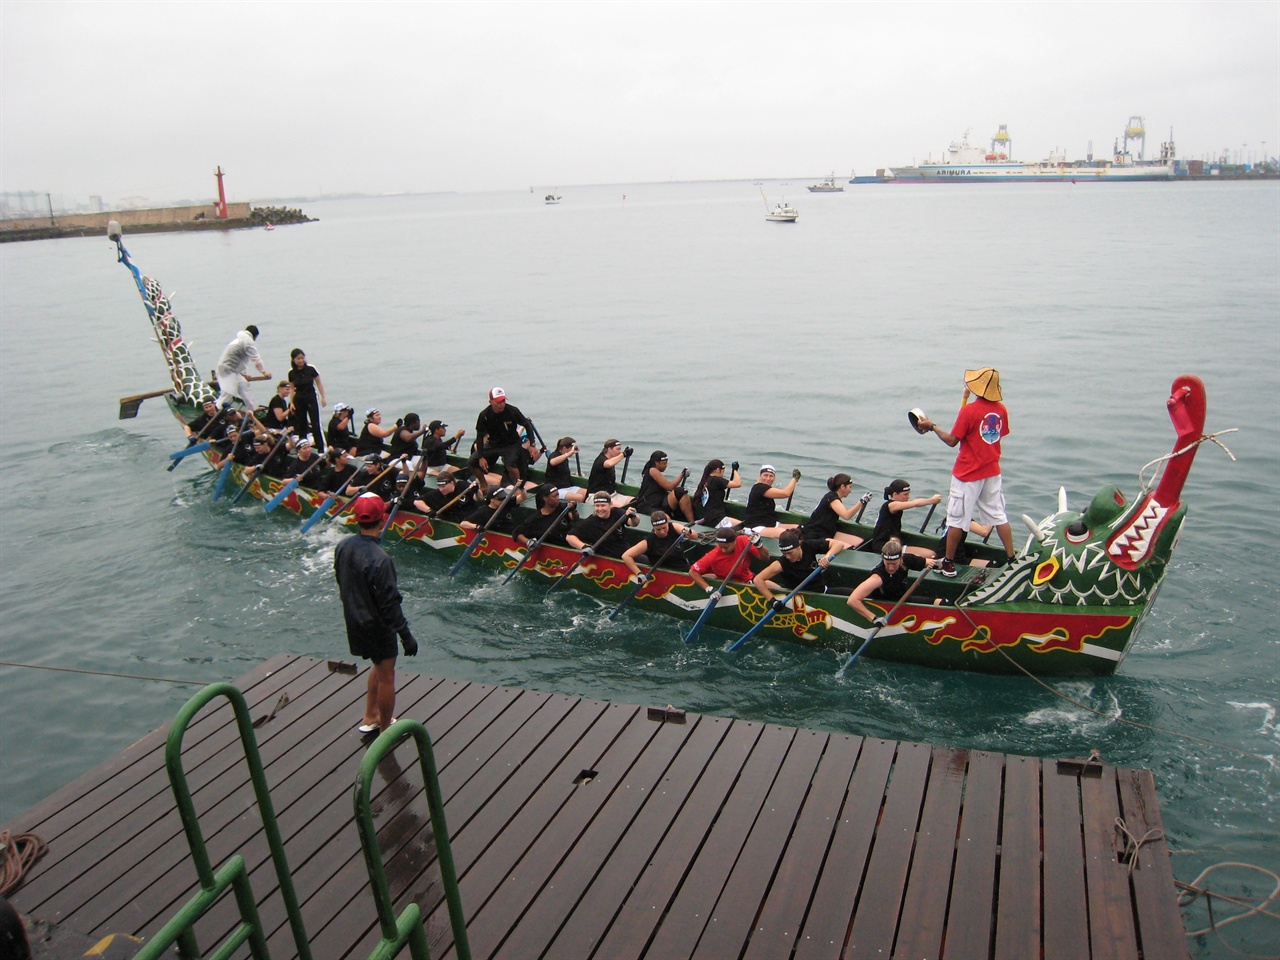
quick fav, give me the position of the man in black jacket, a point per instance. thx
(371, 607)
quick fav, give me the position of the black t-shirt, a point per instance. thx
(592, 528)
(367, 443)
(602, 477)
(893, 586)
(822, 522)
(713, 510)
(656, 546)
(761, 511)
(399, 446)
(436, 450)
(277, 412)
(540, 522)
(332, 479)
(794, 572)
(888, 526)
(501, 428)
(343, 438)
(304, 382)
(559, 474)
(436, 499)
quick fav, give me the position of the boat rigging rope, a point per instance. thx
(99, 673)
(1212, 437)
(1270, 761)
(1194, 890)
(18, 852)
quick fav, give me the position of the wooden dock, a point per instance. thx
(584, 829)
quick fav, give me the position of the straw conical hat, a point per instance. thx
(985, 383)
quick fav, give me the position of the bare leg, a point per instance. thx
(1006, 537)
(380, 704)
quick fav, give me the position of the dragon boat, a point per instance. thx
(1071, 604)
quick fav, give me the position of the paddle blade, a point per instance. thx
(312, 520)
(188, 451)
(222, 479)
(278, 499)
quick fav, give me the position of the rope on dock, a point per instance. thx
(17, 854)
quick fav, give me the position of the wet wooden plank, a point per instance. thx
(780, 917)
(689, 910)
(1160, 929)
(1065, 913)
(123, 833)
(876, 923)
(629, 897)
(1018, 914)
(924, 908)
(623, 835)
(492, 921)
(744, 893)
(1111, 927)
(970, 914)
(825, 929)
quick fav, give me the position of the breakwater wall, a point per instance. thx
(155, 220)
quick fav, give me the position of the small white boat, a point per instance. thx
(551, 198)
(782, 212)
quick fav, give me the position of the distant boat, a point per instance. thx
(271, 226)
(551, 198)
(780, 212)
(827, 185)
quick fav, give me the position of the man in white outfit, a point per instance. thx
(234, 364)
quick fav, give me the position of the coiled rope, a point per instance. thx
(18, 852)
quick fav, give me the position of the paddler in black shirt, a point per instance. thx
(443, 501)
(588, 530)
(654, 544)
(889, 579)
(338, 471)
(547, 499)
(498, 438)
(799, 556)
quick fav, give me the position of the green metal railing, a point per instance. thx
(408, 928)
(233, 873)
(396, 932)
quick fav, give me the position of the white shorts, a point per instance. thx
(565, 491)
(981, 500)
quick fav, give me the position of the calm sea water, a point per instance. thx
(672, 316)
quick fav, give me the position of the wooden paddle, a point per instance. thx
(435, 513)
(714, 598)
(648, 574)
(886, 618)
(194, 444)
(312, 520)
(257, 474)
(507, 501)
(533, 547)
(292, 485)
(774, 609)
(129, 405)
(627, 513)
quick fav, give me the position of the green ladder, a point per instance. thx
(396, 932)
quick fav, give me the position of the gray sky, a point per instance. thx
(144, 99)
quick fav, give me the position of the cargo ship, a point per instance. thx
(966, 163)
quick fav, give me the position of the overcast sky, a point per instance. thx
(128, 99)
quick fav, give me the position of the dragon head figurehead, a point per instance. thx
(1116, 551)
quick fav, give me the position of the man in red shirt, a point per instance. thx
(975, 478)
(721, 559)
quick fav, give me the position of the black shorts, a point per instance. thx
(512, 458)
(372, 649)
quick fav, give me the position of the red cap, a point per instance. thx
(497, 393)
(369, 508)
